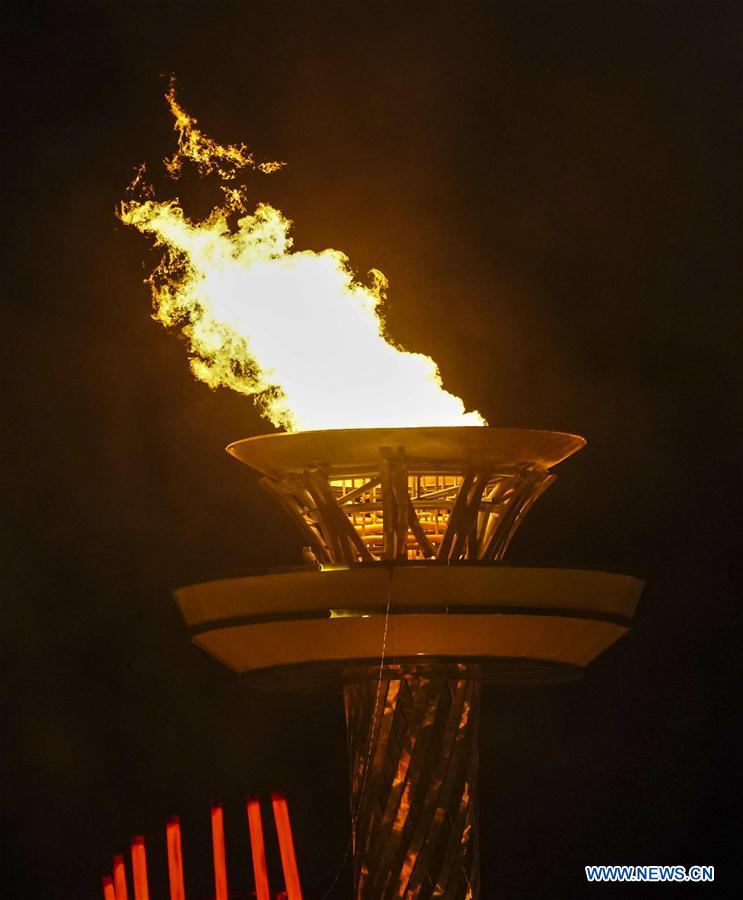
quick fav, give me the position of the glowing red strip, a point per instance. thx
(139, 869)
(175, 858)
(286, 847)
(108, 888)
(120, 879)
(220, 866)
(257, 845)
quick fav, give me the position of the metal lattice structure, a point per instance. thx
(397, 494)
(393, 513)
(413, 755)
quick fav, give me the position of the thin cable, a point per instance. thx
(367, 764)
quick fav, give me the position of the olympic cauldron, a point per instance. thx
(405, 604)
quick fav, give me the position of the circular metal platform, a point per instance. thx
(309, 629)
(358, 449)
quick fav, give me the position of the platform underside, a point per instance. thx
(304, 629)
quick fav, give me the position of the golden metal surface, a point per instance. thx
(306, 643)
(299, 591)
(506, 618)
(407, 493)
(358, 447)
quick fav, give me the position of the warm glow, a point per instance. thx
(294, 329)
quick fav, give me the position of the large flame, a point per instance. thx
(294, 329)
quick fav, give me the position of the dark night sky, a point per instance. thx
(553, 190)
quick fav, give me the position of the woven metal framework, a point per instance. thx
(396, 512)
(412, 738)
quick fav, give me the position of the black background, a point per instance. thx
(553, 191)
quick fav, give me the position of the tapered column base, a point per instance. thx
(412, 737)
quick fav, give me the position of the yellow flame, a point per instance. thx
(208, 155)
(293, 329)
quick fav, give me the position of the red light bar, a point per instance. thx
(286, 847)
(108, 888)
(220, 865)
(175, 858)
(120, 878)
(139, 869)
(258, 846)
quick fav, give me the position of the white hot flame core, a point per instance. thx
(294, 329)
